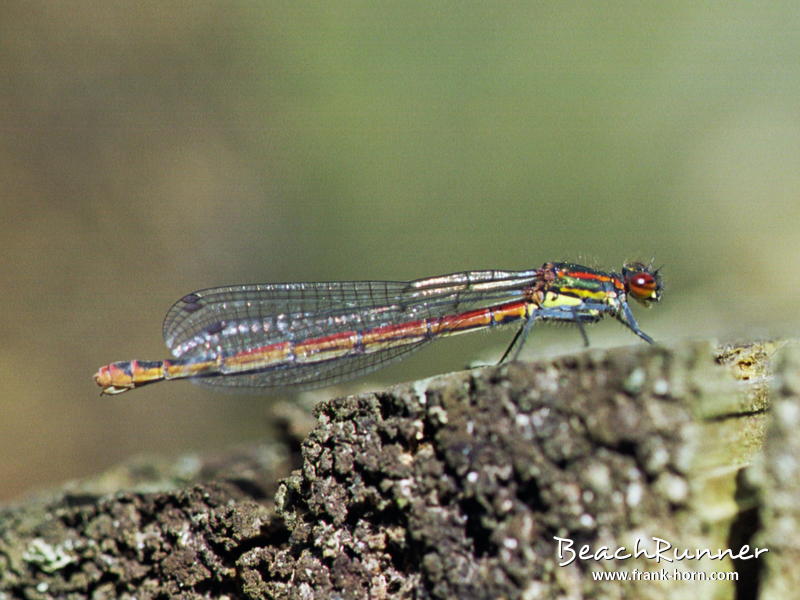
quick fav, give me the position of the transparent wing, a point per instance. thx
(305, 377)
(224, 321)
(261, 314)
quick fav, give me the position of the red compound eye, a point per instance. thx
(642, 286)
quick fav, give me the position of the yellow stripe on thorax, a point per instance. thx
(556, 299)
(565, 297)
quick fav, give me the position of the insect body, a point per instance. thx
(306, 335)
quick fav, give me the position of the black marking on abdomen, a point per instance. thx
(149, 364)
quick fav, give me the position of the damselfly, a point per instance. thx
(306, 335)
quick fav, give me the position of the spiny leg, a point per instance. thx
(626, 317)
(515, 347)
(556, 314)
(583, 334)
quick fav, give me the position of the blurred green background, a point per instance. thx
(149, 149)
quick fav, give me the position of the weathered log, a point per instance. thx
(457, 486)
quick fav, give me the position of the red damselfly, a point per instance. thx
(307, 335)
